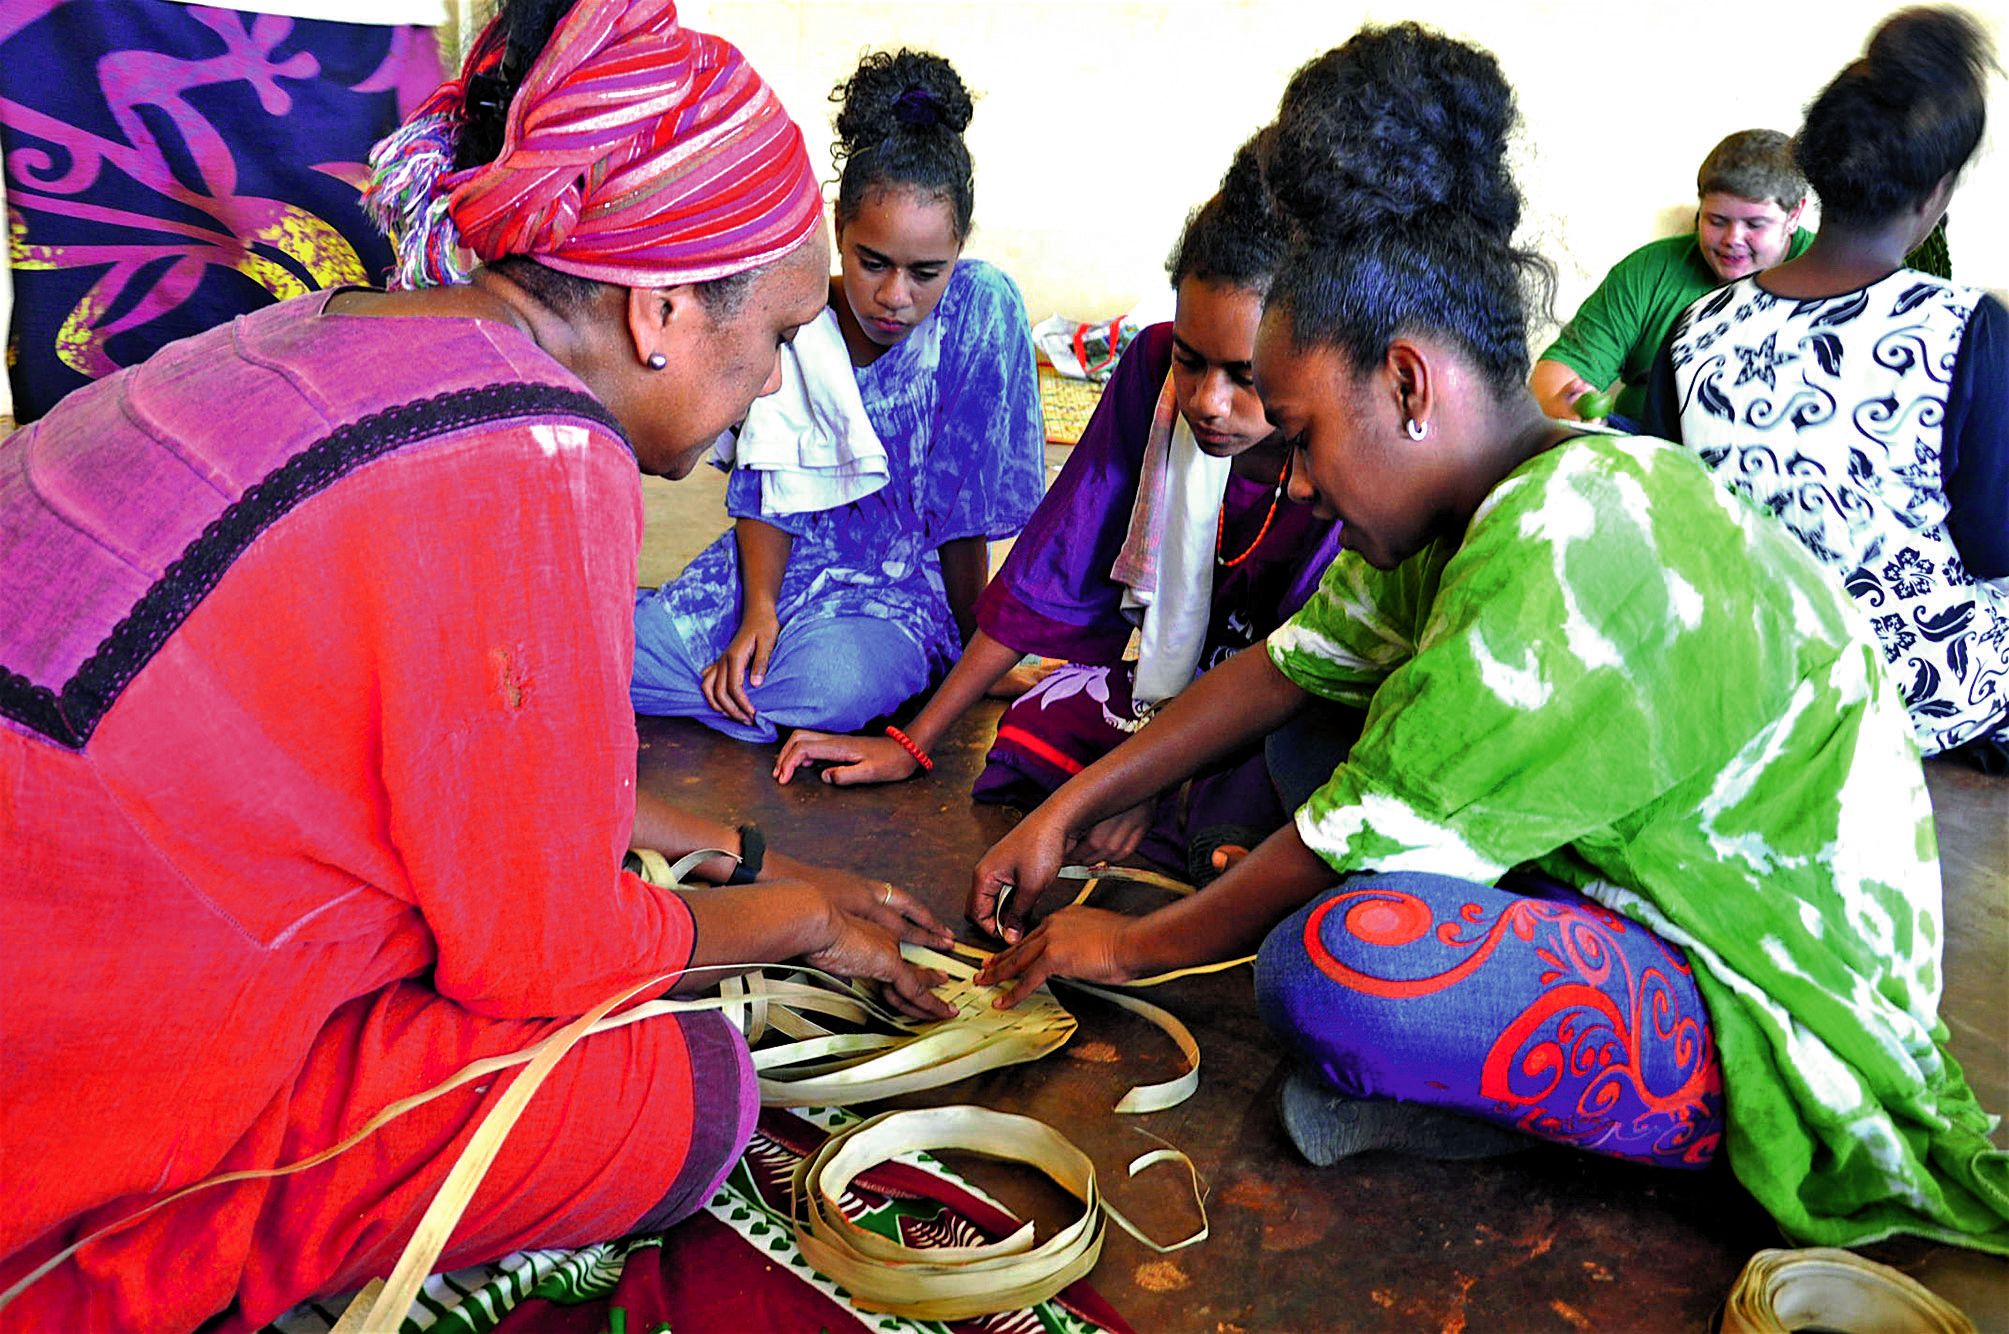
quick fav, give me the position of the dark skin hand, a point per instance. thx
(1115, 838)
(852, 932)
(843, 923)
(1228, 918)
(1244, 698)
(880, 759)
(763, 556)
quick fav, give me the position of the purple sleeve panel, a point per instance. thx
(1053, 596)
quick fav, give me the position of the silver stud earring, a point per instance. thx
(1417, 430)
(657, 361)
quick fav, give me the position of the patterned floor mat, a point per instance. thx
(734, 1268)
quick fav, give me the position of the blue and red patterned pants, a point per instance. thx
(1536, 1009)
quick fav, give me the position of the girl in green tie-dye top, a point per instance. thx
(1634, 850)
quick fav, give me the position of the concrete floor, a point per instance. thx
(1544, 1240)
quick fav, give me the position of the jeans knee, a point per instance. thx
(663, 681)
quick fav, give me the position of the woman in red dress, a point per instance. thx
(316, 758)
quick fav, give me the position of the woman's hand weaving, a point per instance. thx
(880, 901)
(868, 946)
(1087, 944)
(841, 923)
(1017, 870)
(1115, 838)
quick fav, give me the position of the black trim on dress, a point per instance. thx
(69, 715)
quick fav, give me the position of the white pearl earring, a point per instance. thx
(1417, 430)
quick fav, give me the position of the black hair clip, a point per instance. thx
(918, 106)
(487, 96)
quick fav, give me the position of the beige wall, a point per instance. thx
(1100, 124)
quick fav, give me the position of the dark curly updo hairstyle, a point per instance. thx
(527, 26)
(1899, 120)
(900, 122)
(1236, 238)
(1388, 163)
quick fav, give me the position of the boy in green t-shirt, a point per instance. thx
(1751, 196)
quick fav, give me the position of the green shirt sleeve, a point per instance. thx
(1359, 625)
(1619, 330)
(1599, 339)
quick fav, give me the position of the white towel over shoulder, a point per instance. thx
(810, 437)
(1166, 565)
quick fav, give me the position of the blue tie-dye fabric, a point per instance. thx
(960, 420)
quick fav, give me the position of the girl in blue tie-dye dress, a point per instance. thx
(833, 617)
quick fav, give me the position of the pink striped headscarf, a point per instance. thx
(635, 152)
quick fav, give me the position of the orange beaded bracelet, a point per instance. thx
(907, 744)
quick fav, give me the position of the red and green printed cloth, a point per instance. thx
(734, 1267)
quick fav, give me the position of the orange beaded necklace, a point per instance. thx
(1221, 527)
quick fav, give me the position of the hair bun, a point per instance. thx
(918, 107)
(1235, 238)
(1246, 176)
(896, 91)
(1400, 125)
(1919, 49)
(1898, 121)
